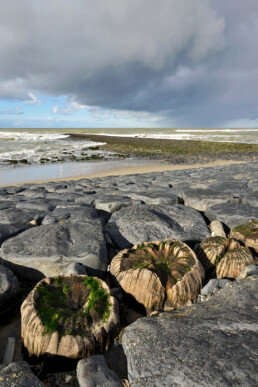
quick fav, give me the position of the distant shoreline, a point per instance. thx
(133, 155)
(174, 151)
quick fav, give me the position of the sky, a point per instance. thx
(130, 63)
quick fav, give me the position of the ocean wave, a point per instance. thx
(225, 130)
(24, 136)
(209, 135)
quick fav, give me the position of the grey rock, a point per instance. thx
(9, 230)
(76, 213)
(251, 199)
(19, 374)
(232, 214)
(210, 288)
(248, 271)
(9, 285)
(48, 249)
(33, 193)
(15, 189)
(53, 186)
(111, 203)
(39, 205)
(86, 199)
(68, 197)
(213, 343)
(155, 197)
(213, 287)
(6, 205)
(16, 216)
(201, 199)
(143, 223)
(224, 282)
(230, 186)
(74, 268)
(93, 372)
(217, 228)
(15, 221)
(253, 184)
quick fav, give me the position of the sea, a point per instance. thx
(28, 155)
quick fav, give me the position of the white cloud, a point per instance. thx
(17, 110)
(70, 108)
(138, 56)
(55, 109)
(13, 88)
(33, 99)
(58, 45)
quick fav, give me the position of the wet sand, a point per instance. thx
(116, 168)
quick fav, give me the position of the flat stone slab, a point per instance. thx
(39, 205)
(143, 223)
(14, 221)
(111, 203)
(213, 343)
(155, 197)
(201, 199)
(74, 212)
(232, 214)
(50, 248)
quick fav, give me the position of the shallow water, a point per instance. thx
(35, 148)
(64, 170)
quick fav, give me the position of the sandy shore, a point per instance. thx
(133, 170)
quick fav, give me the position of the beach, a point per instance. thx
(73, 229)
(68, 221)
(42, 155)
(107, 169)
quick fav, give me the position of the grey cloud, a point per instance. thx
(192, 61)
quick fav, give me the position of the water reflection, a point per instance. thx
(32, 173)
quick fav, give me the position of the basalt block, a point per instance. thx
(142, 223)
(49, 249)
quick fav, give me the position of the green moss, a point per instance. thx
(98, 300)
(51, 316)
(66, 289)
(56, 308)
(160, 264)
(219, 259)
(247, 229)
(58, 281)
(160, 148)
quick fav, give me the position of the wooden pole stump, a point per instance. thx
(247, 233)
(225, 256)
(159, 275)
(71, 315)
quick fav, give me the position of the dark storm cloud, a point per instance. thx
(193, 61)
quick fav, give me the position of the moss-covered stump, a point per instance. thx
(159, 275)
(73, 316)
(225, 256)
(247, 233)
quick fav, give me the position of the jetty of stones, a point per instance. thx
(62, 229)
